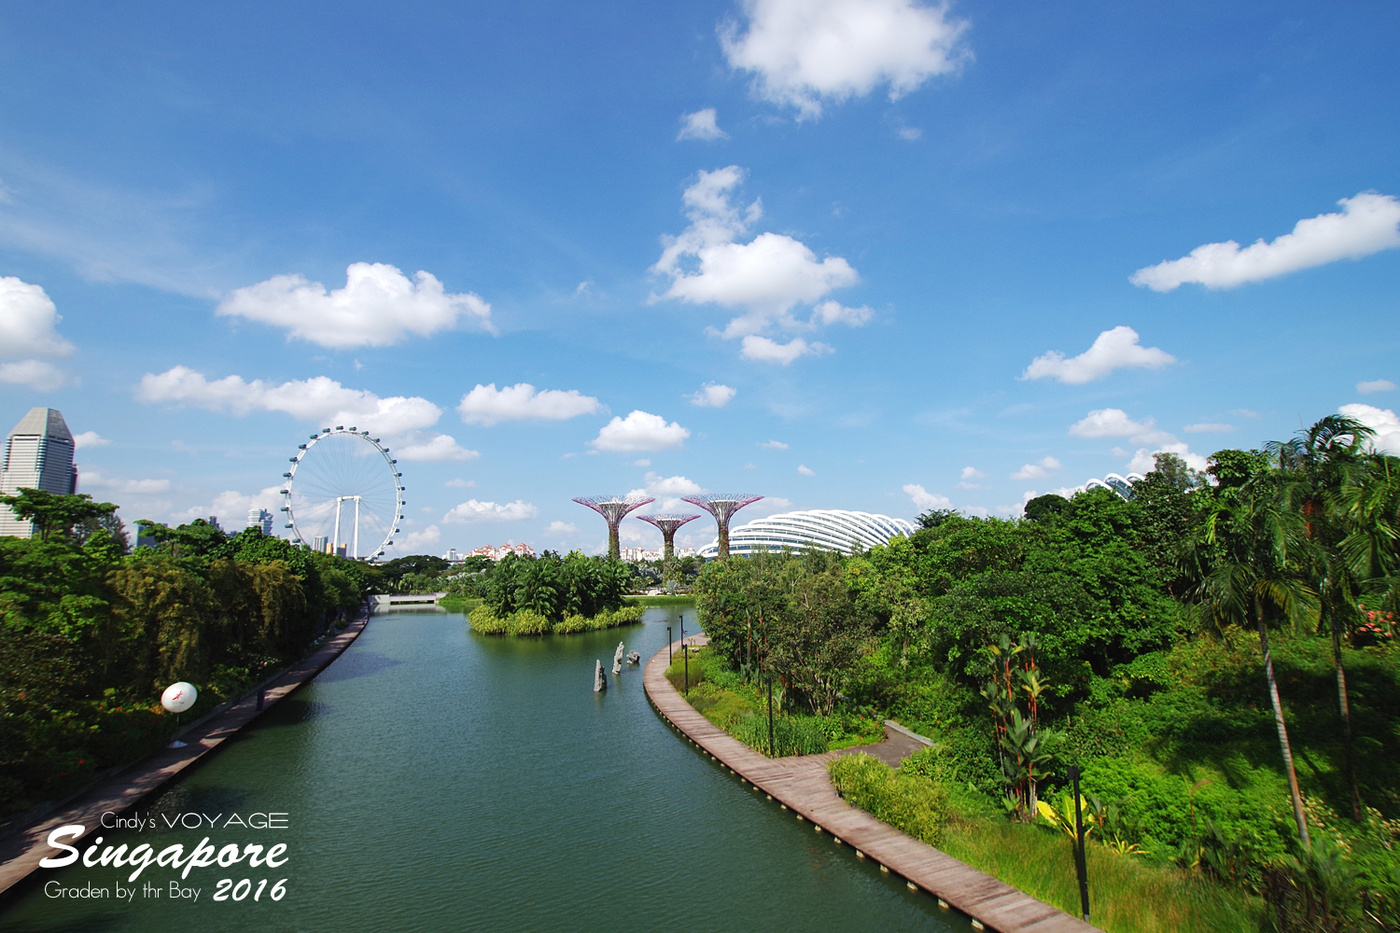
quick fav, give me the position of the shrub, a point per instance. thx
(910, 802)
(485, 621)
(529, 622)
(792, 735)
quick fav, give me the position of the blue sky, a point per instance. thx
(866, 254)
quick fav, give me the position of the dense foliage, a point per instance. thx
(1216, 653)
(91, 633)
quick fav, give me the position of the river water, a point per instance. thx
(436, 780)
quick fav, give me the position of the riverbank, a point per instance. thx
(800, 784)
(22, 849)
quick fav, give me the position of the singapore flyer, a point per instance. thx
(343, 494)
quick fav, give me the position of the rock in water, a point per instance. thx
(617, 666)
(600, 683)
(633, 657)
(617, 655)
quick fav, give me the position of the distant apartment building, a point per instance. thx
(640, 554)
(38, 455)
(260, 518)
(496, 553)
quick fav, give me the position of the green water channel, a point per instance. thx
(434, 780)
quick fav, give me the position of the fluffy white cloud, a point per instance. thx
(319, 400)
(774, 445)
(89, 439)
(28, 337)
(1368, 223)
(1038, 470)
(1144, 459)
(458, 483)
(487, 405)
(640, 430)
(806, 470)
(802, 52)
(925, 500)
(764, 350)
(28, 320)
(413, 542)
(378, 306)
(657, 485)
(1208, 427)
(712, 395)
(701, 125)
(231, 507)
(1113, 422)
(474, 512)
(1113, 349)
(1380, 420)
(969, 477)
(436, 447)
(36, 374)
(1375, 385)
(110, 485)
(766, 276)
(559, 529)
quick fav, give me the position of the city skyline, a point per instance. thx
(973, 254)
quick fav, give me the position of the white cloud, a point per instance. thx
(640, 430)
(460, 483)
(1113, 349)
(1038, 470)
(89, 439)
(925, 500)
(805, 470)
(701, 125)
(486, 405)
(1375, 385)
(712, 395)
(833, 312)
(379, 306)
(1380, 420)
(1144, 460)
(969, 476)
(909, 133)
(28, 337)
(36, 374)
(91, 479)
(473, 512)
(1208, 427)
(672, 486)
(774, 445)
(1368, 223)
(438, 447)
(560, 529)
(766, 277)
(28, 319)
(231, 507)
(412, 541)
(643, 462)
(1112, 422)
(764, 350)
(319, 400)
(804, 52)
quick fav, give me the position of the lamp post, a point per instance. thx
(685, 656)
(1079, 864)
(668, 646)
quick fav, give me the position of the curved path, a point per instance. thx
(21, 850)
(800, 784)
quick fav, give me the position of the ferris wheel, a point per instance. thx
(343, 494)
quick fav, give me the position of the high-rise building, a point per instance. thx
(260, 518)
(38, 455)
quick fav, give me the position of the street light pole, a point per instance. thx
(1079, 864)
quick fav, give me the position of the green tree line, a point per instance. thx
(91, 632)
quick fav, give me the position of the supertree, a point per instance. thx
(668, 523)
(722, 506)
(614, 509)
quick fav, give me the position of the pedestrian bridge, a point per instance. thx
(398, 600)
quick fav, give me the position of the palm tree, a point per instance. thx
(1239, 563)
(1317, 467)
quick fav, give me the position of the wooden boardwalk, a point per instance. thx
(800, 784)
(22, 849)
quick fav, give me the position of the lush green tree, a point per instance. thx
(56, 514)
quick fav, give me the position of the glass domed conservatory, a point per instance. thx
(812, 529)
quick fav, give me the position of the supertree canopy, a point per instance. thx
(614, 509)
(668, 523)
(722, 506)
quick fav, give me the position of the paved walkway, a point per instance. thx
(800, 784)
(21, 851)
